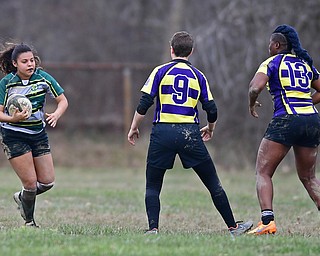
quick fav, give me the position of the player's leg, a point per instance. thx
(154, 181)
(24, 168)
(43, 162)
(193, 153)
(270, 154)
(45, 173)
(160, 157)
(306, 154)
(18, 152)
(208, 175)
(306, 165)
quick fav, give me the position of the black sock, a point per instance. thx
(267, 215)
(28, 200)
(42, 187)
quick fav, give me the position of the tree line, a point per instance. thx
(231, 40)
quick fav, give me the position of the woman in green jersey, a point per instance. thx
(24, 139)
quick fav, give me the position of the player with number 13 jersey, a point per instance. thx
(289, 83)
(289, 75)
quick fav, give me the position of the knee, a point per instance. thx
(263, 176)
(30, 184)
(218, 193)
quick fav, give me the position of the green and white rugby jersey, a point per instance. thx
(35, 89)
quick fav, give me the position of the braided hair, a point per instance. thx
(293, 42)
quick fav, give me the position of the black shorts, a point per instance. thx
(295, 130)
(19, 143)
(168, 140)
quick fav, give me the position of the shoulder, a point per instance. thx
(271, 63)
(164, 66)
(198, 72)
(271, 59)
(161, 70)
(40, 73)
(8, 78)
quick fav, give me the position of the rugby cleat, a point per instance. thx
(242, 227)
(31, 224)
(153, 231)
(264, 229)
(16, 198)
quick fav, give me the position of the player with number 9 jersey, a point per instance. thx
(179, 86)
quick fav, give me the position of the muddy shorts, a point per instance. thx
(295, 130)
(169, 140)
(19, 143)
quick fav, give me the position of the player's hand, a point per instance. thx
(252, 109)
(19, 115)
(206, 133)
(133, 133)
(52, 119)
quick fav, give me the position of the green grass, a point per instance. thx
(101, 212)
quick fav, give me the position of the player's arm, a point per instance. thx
(212, 116)
(134, 128)
(62, 105)
(257, 84)
(146, 102)
(16, 117)
(316, 95)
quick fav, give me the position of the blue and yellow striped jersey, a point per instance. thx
(290, 84)
(178, 87)
(39, 85)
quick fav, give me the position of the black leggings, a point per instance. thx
(208, 175)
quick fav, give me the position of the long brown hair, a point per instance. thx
(10, 52)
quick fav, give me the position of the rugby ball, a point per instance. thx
(20, 102)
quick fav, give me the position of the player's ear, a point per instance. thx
(277, 45)
(173, 55)
(191, 52)
(14, 63)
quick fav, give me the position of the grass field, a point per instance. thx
(101, 212)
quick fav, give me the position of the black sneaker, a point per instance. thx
(242, 227)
